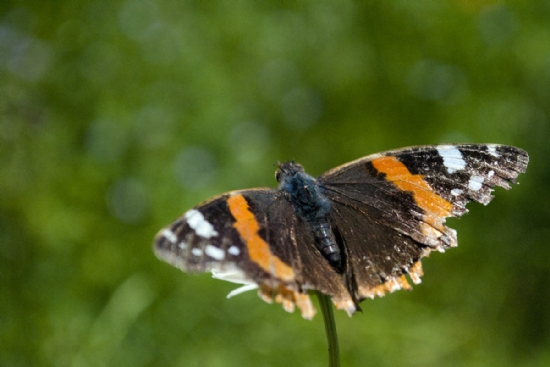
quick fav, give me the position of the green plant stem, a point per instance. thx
(330, 329)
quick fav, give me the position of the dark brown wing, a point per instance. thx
(253, 237)
(389, 208)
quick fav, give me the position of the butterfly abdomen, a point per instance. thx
(326, 243)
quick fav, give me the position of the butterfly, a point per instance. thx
(355, 232)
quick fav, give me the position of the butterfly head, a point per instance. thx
(287, 169)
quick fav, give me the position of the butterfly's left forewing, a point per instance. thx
(389, 209)
(253, 237)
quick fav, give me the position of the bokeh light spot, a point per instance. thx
(195, 167)
(28, 58)
(277, 77)
(250, 141)
(497, 25)
(138, 18)
(154, 125)
(433, 81)
(127, 199)
(105, 140)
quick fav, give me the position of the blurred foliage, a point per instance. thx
(117, 116)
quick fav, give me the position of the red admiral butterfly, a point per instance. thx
(352, 233)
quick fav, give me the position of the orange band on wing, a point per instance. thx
(423, 194)
(258, 250)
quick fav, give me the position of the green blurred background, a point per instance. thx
(117, 116)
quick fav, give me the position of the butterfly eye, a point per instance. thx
(278, 175)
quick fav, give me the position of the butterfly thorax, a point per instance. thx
(311, 206)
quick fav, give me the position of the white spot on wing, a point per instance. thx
(475, 183)
(199, 224)
(182, 245)
(169, 235)
(492, 149)
(196, 251)
(452, 158)
(456, 192)
(234, 250)
(214, 252)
